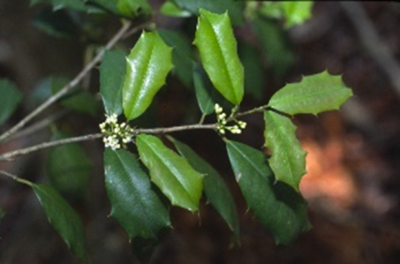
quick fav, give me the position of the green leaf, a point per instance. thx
(314, 94)
(112, 74)
(170, 172)
(182, 56)
(148, 65)
(234, 8)
(294, 12)
(171, 9)
(206, 95)
(82, 102)
(277, 206)
(127, 8)
(253, 69)
(275, 45)
(134, 204)
(288, 161)
(217, 47)
(77, 5)
(10, 97)
(69, 169)
(58, 23)
(63, 218)
(215, 188)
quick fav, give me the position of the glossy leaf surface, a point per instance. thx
(170, 172)
(112, 76)
(314, 94)
(134, 204)
(218, 52)
(147, 67)
(276, 205)
(288, 161)
(214, 186)
(10, 97)
(63, 218)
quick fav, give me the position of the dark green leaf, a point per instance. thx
(314, 94)
(275, 45)
(254, 71)
(77, 5)
(112, 74)
(206, 94)
(63, 218)
(277, 206)
(182, 56)
(170, 172)
(55, 23)
(234, 8)
(288, 161)
(69, 169)
(82, 102)
(148, 65)
(215, 188)
(218, 52)
(133, 203)
(127, 8)
(10, 97)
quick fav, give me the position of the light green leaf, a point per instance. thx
(69, 169)
(296, 12)
(215, 188)
(170, 172)
(112, 74)
(171, 9)
(148, 65)
(314, 94)
(10, 97)
(218, 52)
(234, 8)
(288, 161)
(277, 206)
(182, 55)
(63, 218)
(134, 204)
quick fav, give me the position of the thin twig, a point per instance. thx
(164, 130)
(24, 151)
(67, 88)
(16, 178)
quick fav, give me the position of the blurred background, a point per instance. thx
(353, 180)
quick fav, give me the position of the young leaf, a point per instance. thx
(215, 188)
(10, 97)
(277, 206)
(134, 204)
(170, 172)
(171, 9)
(182, 56)
(69, 169)
(294, 12)
(314, 94)
(288, 158)
(63, 218)
(218, 52)
(147, 67)
(112, 74)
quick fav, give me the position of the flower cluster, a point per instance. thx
(223, 121)
(115, 135)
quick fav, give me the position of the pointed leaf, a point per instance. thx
(10, 97)
(277, 206)
(314, 94)
(112, 74)
(288, 161)
(215, 188)
(63, 218)
(170, 172)
(69, 169)
(147, 67)
(182, 55)
(134, 204)
(218, 52)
